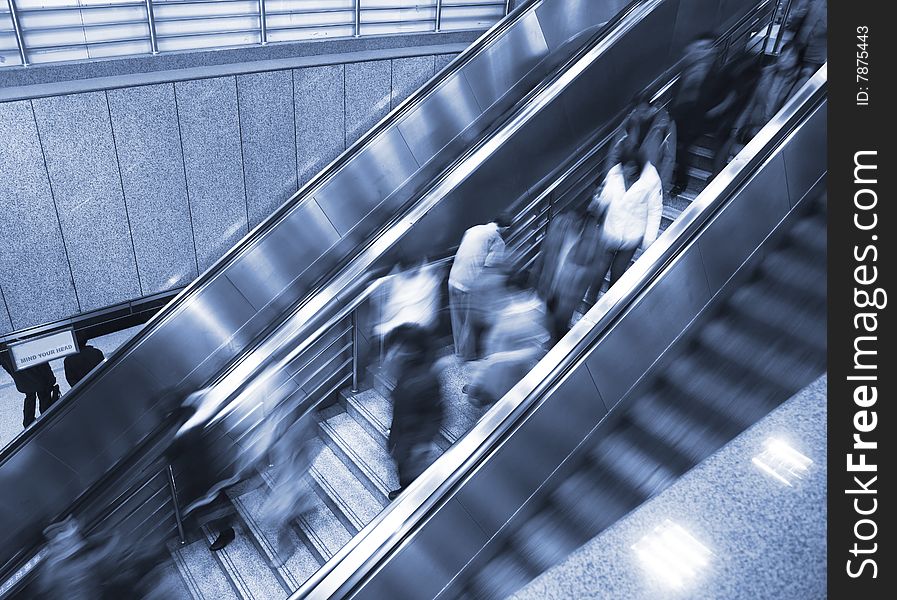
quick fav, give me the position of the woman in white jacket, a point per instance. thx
(629, 205)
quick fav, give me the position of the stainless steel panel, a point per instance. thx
(636, 341)
(691, 20)
(424, 567)
(502, 484)
(367, 180)
(497, 68)
(440, 118)
(196, 332)
(577, 17)
(805, 155)
(737, 231)
(268, 269)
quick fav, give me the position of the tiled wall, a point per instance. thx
(113, 195)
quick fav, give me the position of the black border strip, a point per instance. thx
(860, 275)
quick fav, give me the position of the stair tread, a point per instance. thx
(366, 454)
(500, 578)
(245, 567)
(777, 312)
(592, 503)
(635, 466)
(545, 539)
(323, 531)
(684, 429)
(301, 564)
(350, 495)
(201, 572)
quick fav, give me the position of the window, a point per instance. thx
(66, 30)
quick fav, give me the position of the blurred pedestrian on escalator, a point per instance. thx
(777, 83)
(290, 496)
(648, 129)
(38, 383)
(517, 341)
(629, 208)
(418, 409)
(809, 23)
(472, 282)
(693, 95)
(575, 273)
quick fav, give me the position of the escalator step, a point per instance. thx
(620, 454)
(658, 448)
(729, 398)
(545, 539)
(790, 269)
(686, 428)
(777, 314)
(500, 577)
(773, 359)
(809, 234)
(594, 502)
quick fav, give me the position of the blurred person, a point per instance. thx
(693, 95)
(559, 240)
(471, 282)
(648, 129)
(809, 23)
(69, 568)
(38, 383)
(292, 454)
(204, 472)
(78, 365)
(629, 208)
(576, 275)
(777, 83)
(411, 297)
(418, 409)
(513, 346)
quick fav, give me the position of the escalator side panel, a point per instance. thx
(497, 69)
(559, 26)
(805, 156)
(503, 484)
(646, 330)
(742, 226)
(592, 99)
(262, 275)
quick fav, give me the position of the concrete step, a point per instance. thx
(300, 565)
(322, 533)
(245, 567)
(373, 412)
(364, 457)
(347, 497)
(166, 583)
(201, 573)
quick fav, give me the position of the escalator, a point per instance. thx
(282, 313)
(763, 344)
(723, 320)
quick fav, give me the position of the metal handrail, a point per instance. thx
(387, 531)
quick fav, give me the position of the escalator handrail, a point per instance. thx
(374, 544)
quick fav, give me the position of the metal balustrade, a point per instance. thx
(43, 31)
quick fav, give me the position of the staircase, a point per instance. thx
(350, 478)
(766, 342)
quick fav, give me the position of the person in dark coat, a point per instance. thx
(417, 406)
(77, 366)
(38, 383)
